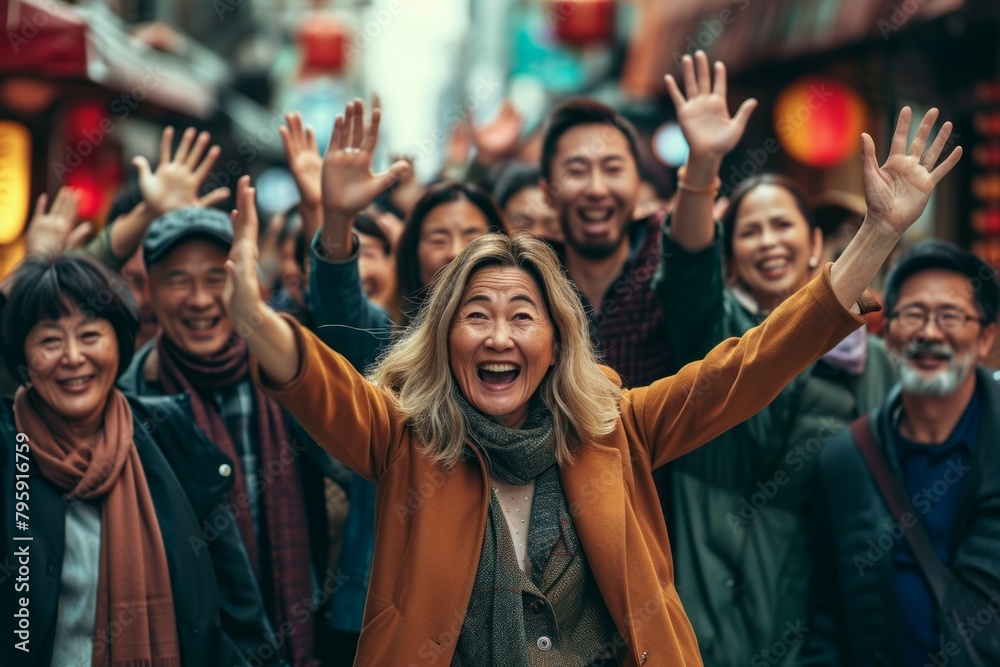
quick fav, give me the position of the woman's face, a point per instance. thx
(73, 361)
(772, 244)
(445, 232)
(501, 343)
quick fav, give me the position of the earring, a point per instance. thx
(813, 262)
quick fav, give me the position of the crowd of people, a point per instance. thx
(513, 417)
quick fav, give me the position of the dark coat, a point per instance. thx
(854, 621)
(187, 484)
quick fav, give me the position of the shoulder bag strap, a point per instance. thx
(894, 496)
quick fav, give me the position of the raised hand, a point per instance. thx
(897, 192)
(704, 114)
(55, 230)
(348, 182)
(241, 296)
(304, 160)
(176, 181)
(499, 138)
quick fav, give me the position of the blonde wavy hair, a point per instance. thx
(584, 401)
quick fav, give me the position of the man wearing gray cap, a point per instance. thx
(201, 352)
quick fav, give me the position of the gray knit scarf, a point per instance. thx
(493, 631)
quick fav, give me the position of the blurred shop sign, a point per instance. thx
(15, 179)
(742, 33)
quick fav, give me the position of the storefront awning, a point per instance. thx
(51, 40)
(742, 33)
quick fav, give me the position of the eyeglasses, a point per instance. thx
(948, 320)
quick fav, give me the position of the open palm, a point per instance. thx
(704, 114)
(241, 296)
(177, 178)
(897, 192)
(304, 160)
(348, 182)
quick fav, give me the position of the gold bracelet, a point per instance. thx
(711, 190)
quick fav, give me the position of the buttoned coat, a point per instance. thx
(430, 520)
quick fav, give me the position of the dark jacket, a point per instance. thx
(186, 484)
(855, 621)
(314, 463)
(740, 507)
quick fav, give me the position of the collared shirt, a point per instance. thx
(933, 477)
(236, 407)
(629, 330)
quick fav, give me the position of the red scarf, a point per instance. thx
(133, 584)
(283, 515)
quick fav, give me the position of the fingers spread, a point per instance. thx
(373, 132)
(185, 146)
(202, 171)
(720, 79)
(196, 152)
(949, 163)
(675, 92)
(898, 146)
(166, 141)
(358, 127)
(43, 201)
(934, 150)
(923, 131)
(690, 82)
(704, 77)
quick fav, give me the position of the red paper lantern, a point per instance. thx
(819, 121)
(582, 22)
(324, 44)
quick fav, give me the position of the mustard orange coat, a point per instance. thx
(430, 520)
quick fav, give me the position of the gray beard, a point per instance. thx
(942, 383)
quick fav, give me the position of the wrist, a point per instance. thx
(879, 228)
(702, 170)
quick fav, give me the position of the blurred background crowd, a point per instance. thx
(95, 98)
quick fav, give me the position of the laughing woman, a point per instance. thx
(517, 519)
(113, 492)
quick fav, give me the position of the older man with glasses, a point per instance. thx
(909, 528)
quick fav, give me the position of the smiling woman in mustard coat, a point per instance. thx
(517, 521)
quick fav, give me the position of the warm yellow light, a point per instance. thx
(15, 179)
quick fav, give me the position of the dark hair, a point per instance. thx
(745, 188)
(515, 177)
(583, 111)
(48, 287)
(365, 224)
(928, 255)
(411, 287)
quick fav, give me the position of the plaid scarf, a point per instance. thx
(286, 582)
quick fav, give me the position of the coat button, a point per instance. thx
(537, 606)
(225, 470)
(730, 582)
(544, 643)
(194, 631)
(642, 658)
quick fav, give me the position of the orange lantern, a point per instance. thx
(819, 121)
(582, 22)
